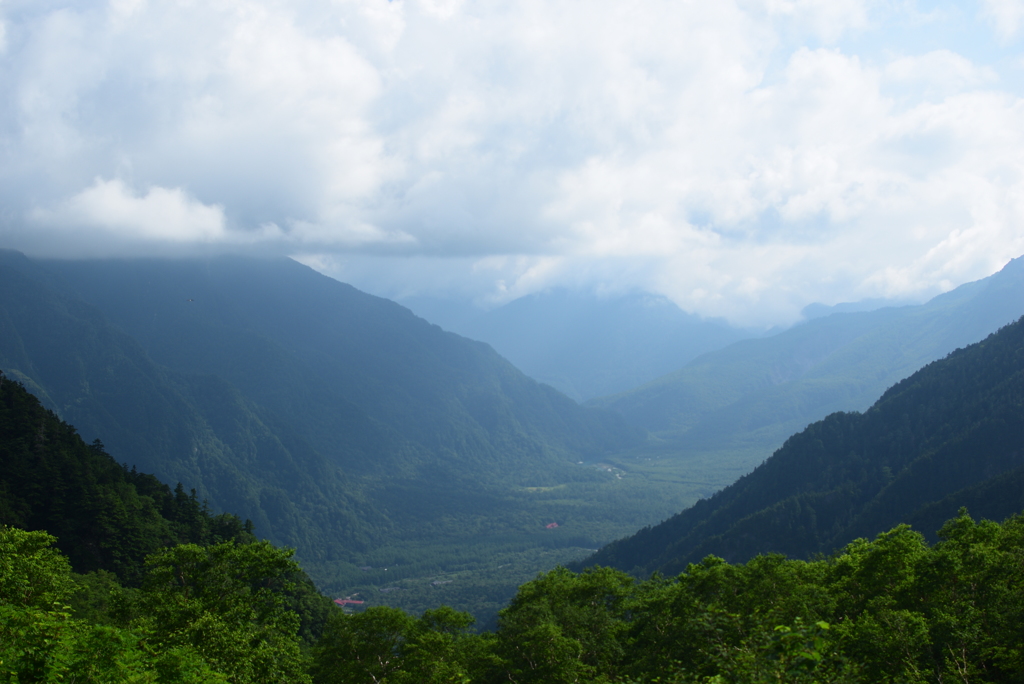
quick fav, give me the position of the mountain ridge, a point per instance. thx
(733, 407)
(955, 426)
(584, 345)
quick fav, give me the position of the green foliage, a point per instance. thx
(33, 575)
(564, 627)
(361, 648)
(94, 595)
(40, 642)
(888, 610)
(225, 602)
(203, 614)
(105, 516)
(107, 655)
(35, 583)
(387, 645)
(109, 518)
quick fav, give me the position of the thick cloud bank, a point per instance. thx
(743, 158)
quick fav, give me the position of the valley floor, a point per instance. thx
(476, 562)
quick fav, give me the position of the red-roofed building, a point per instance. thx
(348, 602)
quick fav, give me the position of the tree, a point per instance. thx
(564, 627)
(40, 642)
(35, 585)
(438, 649)
(226, 602)
(366, 648)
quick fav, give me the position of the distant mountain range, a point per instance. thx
(950, 435)
(583, 344)
(331, 418)
(729, 409)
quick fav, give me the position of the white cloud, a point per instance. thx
(161, 214)
(1005, 16)
(713, 152)
(938, 69)
(829, 19)
(933, 78)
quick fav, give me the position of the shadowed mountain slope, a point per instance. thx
(105, 516)
(303, 345)
(951, 434)
(197, 430)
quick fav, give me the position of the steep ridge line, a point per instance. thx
(950, 434)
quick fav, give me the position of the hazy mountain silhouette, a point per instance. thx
(583, 344)
(733, 407)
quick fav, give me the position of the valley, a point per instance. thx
(445, 342)
(484, 555)
(367, 438)
(345, 427)
(157, 586)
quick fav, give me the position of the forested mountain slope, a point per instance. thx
(197, 430)
(158, 583)
(108, 517)
(735, 406)
(105, 515)
(949, 435)
(325, 357)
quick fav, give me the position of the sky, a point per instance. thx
(742, 158)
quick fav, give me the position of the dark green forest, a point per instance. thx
(109, 519)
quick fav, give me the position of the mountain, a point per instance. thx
(336, 421)
(105, 516)
(952, 434)
(819, 310)
(583, 344)
(728, 410)
(891, 609)
(197, 430)
(333, 361)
